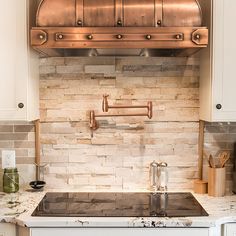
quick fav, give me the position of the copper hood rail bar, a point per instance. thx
(171, 37)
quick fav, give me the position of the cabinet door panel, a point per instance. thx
(230, 230)
(224, 51)
(13, 67)
(119, 231)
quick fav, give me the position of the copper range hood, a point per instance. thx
(118, 27)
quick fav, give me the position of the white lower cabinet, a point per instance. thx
(229, 230)
(119, 232)
(7, 229)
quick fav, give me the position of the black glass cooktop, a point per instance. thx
(119, 205)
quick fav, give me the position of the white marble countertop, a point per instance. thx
(17, 208)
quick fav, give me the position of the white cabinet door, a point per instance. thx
(7, 229)
(230, 230)
(224, 51)
(218, 79)
(12, 84)
(119, 232)
(15, 80)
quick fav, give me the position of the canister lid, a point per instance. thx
(154, 164)
(163, 164)
(10, 170)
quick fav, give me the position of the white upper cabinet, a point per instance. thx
(19, 64)
(218, 64)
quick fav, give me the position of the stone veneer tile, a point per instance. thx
(6, 144)
(13, 136)
(89, 61)
(104, 69)
(23, 144)
(57, 128)
(52, 61)
(69, 69)
(47, 69)
(6, 128)
(23, 128)
(21, 152)
(232, 129)
(54, 159)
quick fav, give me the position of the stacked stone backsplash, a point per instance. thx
(118, 154)
(19, 136)
(116, 157)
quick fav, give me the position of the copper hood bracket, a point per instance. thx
(93, 124)
(38, 37)
(200, 36)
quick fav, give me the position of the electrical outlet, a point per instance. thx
(8, 159)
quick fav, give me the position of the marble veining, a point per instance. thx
(17, 208)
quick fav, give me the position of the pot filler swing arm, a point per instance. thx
(105, 108)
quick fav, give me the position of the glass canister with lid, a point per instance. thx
(154, 176)
(163, 176)
(10, 180)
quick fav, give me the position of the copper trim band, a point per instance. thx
(106, 37)
(125, 37)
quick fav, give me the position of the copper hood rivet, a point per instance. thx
(119, 22)
(148, 36)
(119, 36)
(41, 36)
(159, 22)
(197, 36)
(90, 37)
(60, 36)
(178, 36)
(79, 22)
